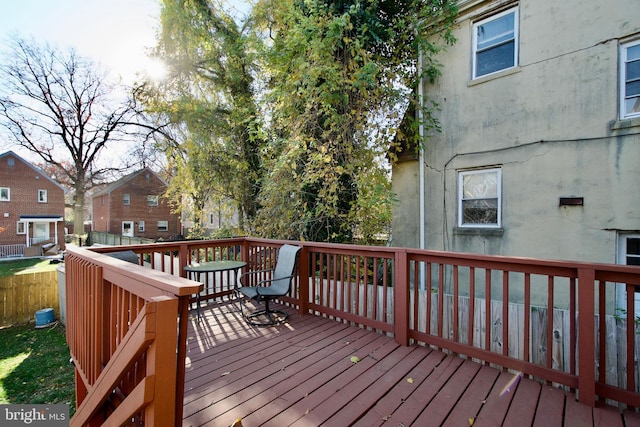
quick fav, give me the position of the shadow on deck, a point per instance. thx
(301, 373)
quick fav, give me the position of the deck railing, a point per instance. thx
(124, 329)
(564, 323)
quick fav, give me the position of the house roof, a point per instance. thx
(125, 179)
(35, 168)
(41, 218)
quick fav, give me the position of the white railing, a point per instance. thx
(7, 251)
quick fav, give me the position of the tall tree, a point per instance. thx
(60, 107)
(209, 95)
(341, 72)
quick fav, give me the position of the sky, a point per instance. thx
(115, 33)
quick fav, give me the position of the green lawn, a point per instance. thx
(35, 367)
(29, 265)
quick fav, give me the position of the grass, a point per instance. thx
(21, 266)
(35, 367)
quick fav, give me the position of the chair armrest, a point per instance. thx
(252, 272)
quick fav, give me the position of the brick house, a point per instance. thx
(31, 207)
(133, 206)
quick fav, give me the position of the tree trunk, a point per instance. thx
(78, 213)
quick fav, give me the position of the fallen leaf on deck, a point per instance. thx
(410, 380)
(355, 359)
(225, 373)
(471, 420)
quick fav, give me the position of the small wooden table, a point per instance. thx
(194, 272)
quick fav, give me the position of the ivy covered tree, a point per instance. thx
(208, 99)
(292, 111)
(340, 73)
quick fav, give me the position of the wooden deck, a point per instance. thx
(301, 374)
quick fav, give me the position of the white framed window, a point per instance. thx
(495, 43)
(21, 227)
(630, 79)
(42, 196)
(480, 198)
(163, 225)
(5, 194)
(141, 226)
(126, 199)
(152, 200)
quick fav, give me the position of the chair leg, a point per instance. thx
(268, 313)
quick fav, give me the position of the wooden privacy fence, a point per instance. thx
(103, 238)
(23, 294)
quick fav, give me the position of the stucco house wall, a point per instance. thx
(552, 126)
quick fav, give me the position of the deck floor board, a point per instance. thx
(300, 373)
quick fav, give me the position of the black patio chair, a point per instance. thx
(268, 289)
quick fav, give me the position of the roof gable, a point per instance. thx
(30, 165)
(126, 179)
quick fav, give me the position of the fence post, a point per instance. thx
(401, 297)
(586, 338)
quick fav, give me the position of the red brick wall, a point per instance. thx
(100, 213)
(109, 217)
(24, 183)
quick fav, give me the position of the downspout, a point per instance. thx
(421, 179)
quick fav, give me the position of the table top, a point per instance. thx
(215, 266)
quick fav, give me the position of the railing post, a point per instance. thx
(162, 363)
(184, 257)
(303, 281)
(183, 326)
(586, 338)
(401, 297)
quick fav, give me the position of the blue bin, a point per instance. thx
(44, 317)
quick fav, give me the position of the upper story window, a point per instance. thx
(42, 196)
(163, 225)
(480, 198)
(495, 43)
(630, 79)
(152, 200)
(5, 194)
(126, 199)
